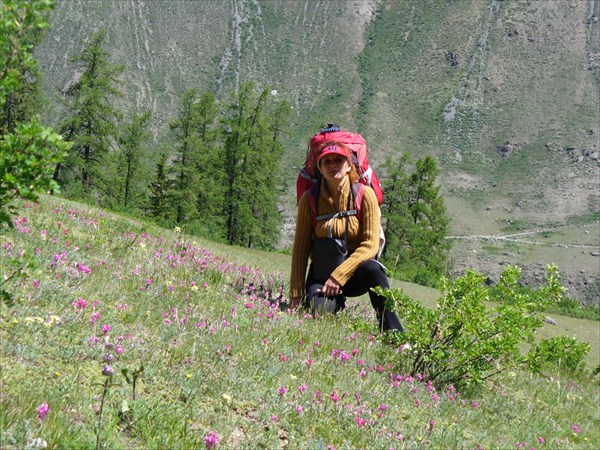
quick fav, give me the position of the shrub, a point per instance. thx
(560, 351)
(463, 341)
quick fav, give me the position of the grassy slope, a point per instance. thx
(254, 376)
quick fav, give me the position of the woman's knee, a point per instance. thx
(375, 273)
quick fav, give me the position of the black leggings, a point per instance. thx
(368, 275)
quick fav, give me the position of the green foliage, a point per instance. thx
(564, 352)
(159, 192)
(91, 123)
(21, 27)
(184, 169)
(464, 342)
(27, 160)
(131, 140)
(415, 220)
(565, 306)
(251, 154)
(28, 150)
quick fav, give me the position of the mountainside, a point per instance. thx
(504, 94)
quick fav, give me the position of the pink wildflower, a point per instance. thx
(79, 304)
(82, 268)
(106, 328)
(211, 439)
(43, 411)
(360, 422)
(299, 409)
(576, 428)
(334, 397)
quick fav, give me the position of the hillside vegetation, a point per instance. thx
(505, 95)
(124, 335)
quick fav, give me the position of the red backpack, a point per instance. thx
(309, 175)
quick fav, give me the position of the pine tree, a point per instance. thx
(415, 220)
(91, 122)
(185, 158)
(159, 191)
(131, 139)
(209, 190)
(251, 154)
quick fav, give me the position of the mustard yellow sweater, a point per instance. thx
(363, 237)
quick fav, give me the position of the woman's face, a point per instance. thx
(334, 167)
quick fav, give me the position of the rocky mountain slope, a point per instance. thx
(504, 94)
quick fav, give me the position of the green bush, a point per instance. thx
(464, 342)
(560, 351)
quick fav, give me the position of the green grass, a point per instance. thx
(215, 356)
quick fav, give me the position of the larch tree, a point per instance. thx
(252, 163)
(185, 158)
(131, 150)
(415, 220)
(91, 122)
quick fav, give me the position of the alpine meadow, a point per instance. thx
(150, 170)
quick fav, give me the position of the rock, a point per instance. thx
(595, 253)
(550, 320)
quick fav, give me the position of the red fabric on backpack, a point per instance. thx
(310, 175)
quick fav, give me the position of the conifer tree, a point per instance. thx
(415, 220)
(185, 158)
(131, 139)
(251, 155)
(91, 121)
(159, 191)
(209, 168)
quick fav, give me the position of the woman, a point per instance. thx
(359, 272)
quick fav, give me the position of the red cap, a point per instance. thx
(333, 149)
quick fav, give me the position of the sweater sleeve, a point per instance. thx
(301, 248)
(369, 238)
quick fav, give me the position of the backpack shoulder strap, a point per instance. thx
(313, 201)
(358, 192)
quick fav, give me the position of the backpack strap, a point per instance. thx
(358, 192)
(305, 174)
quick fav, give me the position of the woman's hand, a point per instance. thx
(331, 288)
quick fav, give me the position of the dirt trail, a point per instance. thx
(514, 237)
